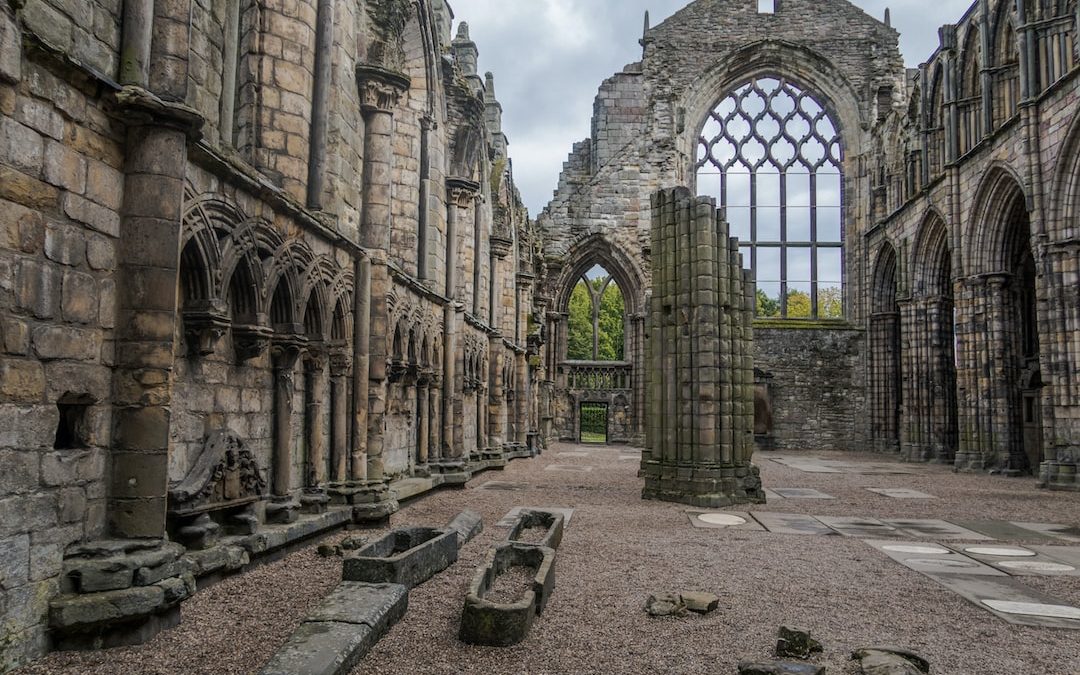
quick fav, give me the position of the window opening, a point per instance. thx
(71, 429)
(771, 155)
(766, 6)
(596, 330)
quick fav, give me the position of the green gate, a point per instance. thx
(594, 422)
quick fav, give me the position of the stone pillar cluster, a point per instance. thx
(700, 361)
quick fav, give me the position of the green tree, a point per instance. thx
(798, 305)
(766, 306)
(612, 324)
(580, 328)
(830, 302)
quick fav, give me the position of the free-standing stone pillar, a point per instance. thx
(700, 397)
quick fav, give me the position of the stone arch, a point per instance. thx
(885, 364)
(775, 58)
(971, 78)
(931, 261)
(597, 250)
(1065, 195)
(1006, 60)
(1000, 195)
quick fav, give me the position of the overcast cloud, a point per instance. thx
(550, 56)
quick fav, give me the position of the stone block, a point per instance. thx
(14, 561)
(890, 661)
(69, 612)
(21, 381)
(61, 342)
(408, 557)
(40, 117)
(100, 253)
(46, 561)
(98, 217)
(37, 288)
(79, 303)
(28, 426)
(21, 147)
(467, 524)
(665, 604)
(700, 603)
(10, 49)
(27, 190)
(64, 168)
(72, 505)
(796, 643)
(486, 620)
(65, 245)
(14, 336)
(104, 185)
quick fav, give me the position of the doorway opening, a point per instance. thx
(594, 423)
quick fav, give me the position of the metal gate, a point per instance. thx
(594, 423)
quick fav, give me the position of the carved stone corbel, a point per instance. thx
(205, 323)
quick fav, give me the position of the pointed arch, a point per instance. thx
(883, 286)
(931, 265)
(999, 201)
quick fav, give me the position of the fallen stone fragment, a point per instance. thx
(796, 643)
(329, 550)
(780, 668)
(353, 543)
(700, 603)
(467, 524)
(890, 661)
(665, 604)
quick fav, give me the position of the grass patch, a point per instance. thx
(593, 437)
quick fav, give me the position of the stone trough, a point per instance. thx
(493, 623)
(408, 557)
(551, 523)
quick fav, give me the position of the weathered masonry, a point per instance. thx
(258, 261)
(911, 232)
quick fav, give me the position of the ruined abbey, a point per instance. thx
(265, 273)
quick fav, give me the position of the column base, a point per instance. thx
(282, 511)
(314, 501)
(703, 486)
(1059, 476)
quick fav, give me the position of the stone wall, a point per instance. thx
(817, 389)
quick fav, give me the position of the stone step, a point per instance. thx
(341, 631)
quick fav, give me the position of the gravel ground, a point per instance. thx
(618, 549)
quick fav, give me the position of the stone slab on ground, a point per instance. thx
(807, 465)
(467, 524)
(1011, 600)
(779, 668)
(574, 453)
(511, 517)
(1069, 555)
(934, 529)
(1019, 561)
(569, 468)
(861, 528)
(1005, 531)
(347, 624)
(800, 493)
(793, 523)
(932, 558)
(901, 493)
(502, 486)
(1061, 532)
(723, 520)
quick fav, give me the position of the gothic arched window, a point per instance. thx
(771, 155)
(596, 326)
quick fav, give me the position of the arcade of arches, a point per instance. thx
(269, 272)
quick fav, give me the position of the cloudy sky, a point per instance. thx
(549, 57)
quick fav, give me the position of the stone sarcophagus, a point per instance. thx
(220, 490)
(506, 595)
(408, 557)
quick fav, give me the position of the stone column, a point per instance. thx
(637, 325)
(521, 398)
(320, 102)
(314, 498)
(434, 425)
(496, 396)
(423, 428)
(340, 367)
(155, 169)
(283, 508)
(460, 194)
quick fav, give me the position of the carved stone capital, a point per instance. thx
(205, 323)
(139, 107)
(341, 363)
(380, 89)
(250, 340)
(461, 192)
(501, 246)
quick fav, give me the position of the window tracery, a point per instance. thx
(771, 155)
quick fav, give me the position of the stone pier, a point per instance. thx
(701, 375)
